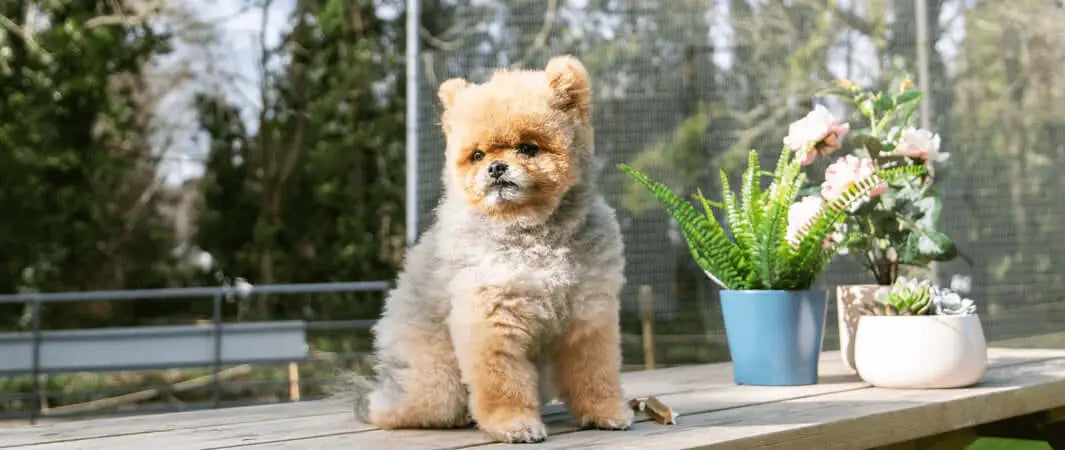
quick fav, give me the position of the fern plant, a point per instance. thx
(756, 251)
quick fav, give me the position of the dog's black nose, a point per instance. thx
(497, 169)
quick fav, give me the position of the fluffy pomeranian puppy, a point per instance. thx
(511, 297)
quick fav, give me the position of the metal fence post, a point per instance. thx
(923, 46)
(216, 364)
(413, 25)
(35, 317)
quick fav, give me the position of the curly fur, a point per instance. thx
(511, 297)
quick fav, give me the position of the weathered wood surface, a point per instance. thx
(839, 413)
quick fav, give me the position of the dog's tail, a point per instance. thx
(353, 389)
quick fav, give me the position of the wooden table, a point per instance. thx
(1022, 394)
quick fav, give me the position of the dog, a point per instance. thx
(511, 296)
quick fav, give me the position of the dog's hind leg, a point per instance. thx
(418, 381)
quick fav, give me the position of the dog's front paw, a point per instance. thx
(618, 419)
(525, 427)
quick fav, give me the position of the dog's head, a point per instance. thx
(518, 142)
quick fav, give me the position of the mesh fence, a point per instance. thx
(683, 88)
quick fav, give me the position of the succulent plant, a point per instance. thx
(905, 298)
(947, 302)
(910, 297)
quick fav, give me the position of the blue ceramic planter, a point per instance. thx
(774, 336)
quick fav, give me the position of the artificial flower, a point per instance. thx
(800, 214)
(818, 132)
(921, 144)
(846, 172)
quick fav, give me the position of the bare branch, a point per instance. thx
(541, 37)
(140, 15)
(439, 43)
(26, 36)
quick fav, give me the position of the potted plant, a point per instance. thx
(895, 231)
(920, 336)
(768, 251)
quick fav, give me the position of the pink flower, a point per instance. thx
(816, 133)
(846, 172)
(921, 144)
(800, 214)
(918, 143)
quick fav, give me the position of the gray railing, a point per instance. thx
(216, 357)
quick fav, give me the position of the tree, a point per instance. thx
(78, 179)
(319, 184)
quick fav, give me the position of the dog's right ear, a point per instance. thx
(449, 90)
(569, 80)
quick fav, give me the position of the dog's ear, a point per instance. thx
(449, 89)
(568, 78)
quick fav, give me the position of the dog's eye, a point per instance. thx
(477, 155)
(528, 149)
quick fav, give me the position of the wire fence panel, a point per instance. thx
(684, 88)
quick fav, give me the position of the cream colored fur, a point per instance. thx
(511, 297)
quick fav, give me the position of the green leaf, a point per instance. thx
(884, 103)
(948, 250)
(908, 96)
(870, 143)
(924, 247)
(707, 241)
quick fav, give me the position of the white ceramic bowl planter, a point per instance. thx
(920, 352)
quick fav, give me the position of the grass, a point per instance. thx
(1007, 444)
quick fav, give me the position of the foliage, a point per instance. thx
(685, 145)
(759, 253)
(78, 174)
(315, 193)
(897, 228)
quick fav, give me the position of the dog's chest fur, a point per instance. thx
(546, 272)
(539, 278)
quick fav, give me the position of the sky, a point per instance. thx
(230, 65)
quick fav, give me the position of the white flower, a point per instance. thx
(818, 131)
(839, 235)
(800, 214)
(921, 144)
(846, 172)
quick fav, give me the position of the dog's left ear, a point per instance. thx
(568, 78)
(449, 89)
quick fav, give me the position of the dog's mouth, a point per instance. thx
(503, 184)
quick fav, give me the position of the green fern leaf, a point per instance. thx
(707, 241)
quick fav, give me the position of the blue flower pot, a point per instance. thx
(774, 336)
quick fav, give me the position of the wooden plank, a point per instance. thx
(689, 390)
(135, 425)
(690, 385)
(854, 419)
(220, 436)
(686, 389)
(677, 379)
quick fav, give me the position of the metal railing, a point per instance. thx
(218, 294)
